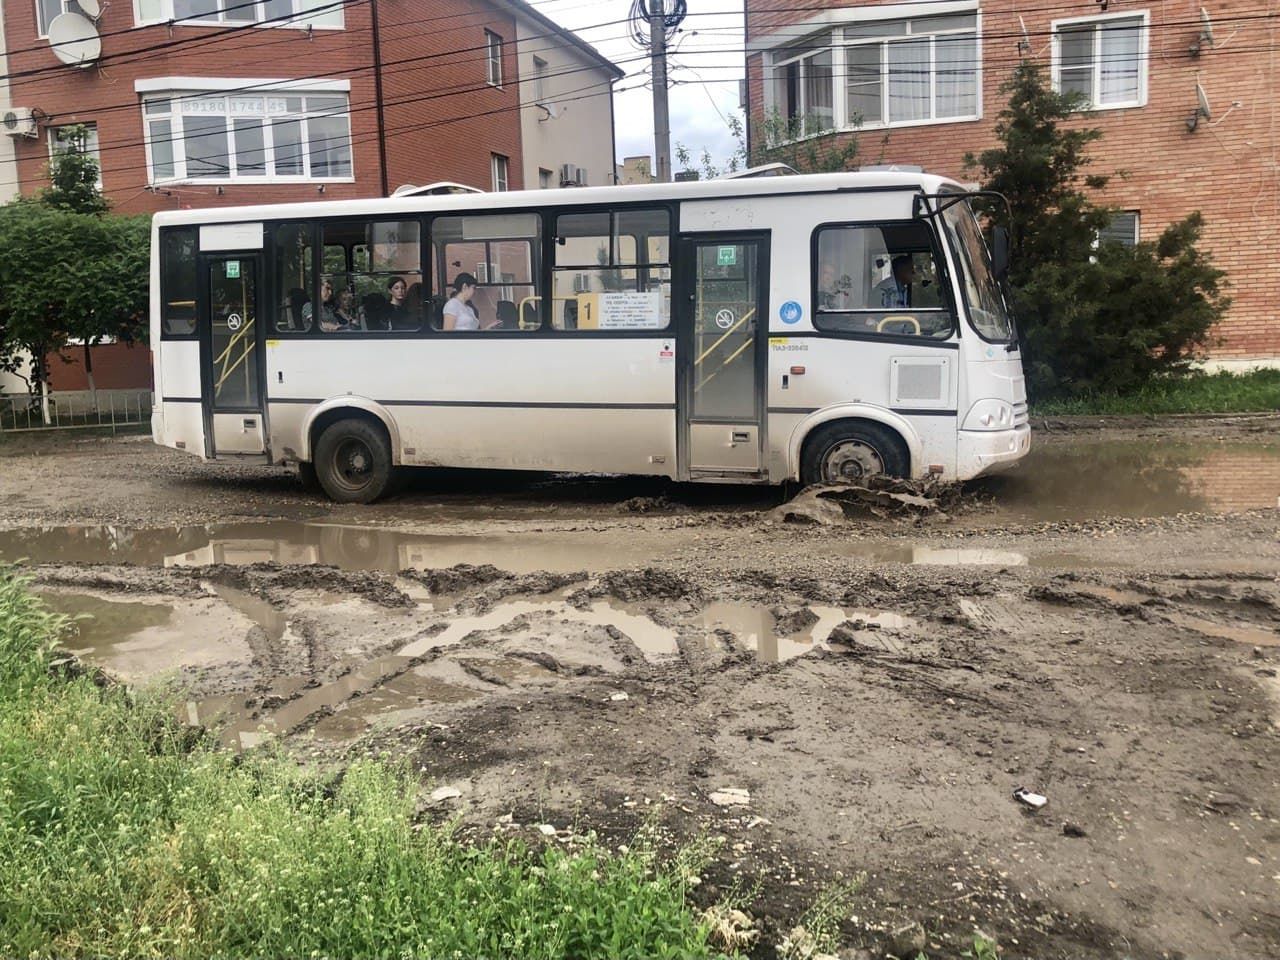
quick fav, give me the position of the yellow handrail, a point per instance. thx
(229, 367)
(728, 360)
(239, 335)
(745, 317)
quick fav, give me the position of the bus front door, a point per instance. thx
(722, 350)
(231, 356)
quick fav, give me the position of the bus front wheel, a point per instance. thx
(353, 461)
(852, 452)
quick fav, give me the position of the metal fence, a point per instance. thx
(75, 410)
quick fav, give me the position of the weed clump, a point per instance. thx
(122, 835)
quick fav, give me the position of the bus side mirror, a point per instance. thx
(1000, 252)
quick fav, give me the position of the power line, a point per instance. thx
(238, 29)
(418, 99)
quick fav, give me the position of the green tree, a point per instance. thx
(73, 175)
(1093, 317)
(68, 270)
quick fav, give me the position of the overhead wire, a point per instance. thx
(133, 104)
(230, 32)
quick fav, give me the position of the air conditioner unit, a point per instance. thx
(20, 122)
(569, 175)
(580, 177)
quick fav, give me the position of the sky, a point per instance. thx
(705, 63)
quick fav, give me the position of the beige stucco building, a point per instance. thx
(566, 105)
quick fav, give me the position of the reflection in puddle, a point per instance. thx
(299, 542)
(141, 640)
(755, 626)
(1084, 479)
(136, 640)
(921, 554)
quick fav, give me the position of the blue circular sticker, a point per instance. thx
(791, 312)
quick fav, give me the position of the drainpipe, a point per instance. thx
(377, 97)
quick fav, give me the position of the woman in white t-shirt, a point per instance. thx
(458, 312)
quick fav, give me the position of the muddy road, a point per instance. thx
(563, 654)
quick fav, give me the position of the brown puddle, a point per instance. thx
(1234, 632)
(1084, 479)
(446, 658)
(349, 547)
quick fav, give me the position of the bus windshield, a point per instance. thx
(986, 304)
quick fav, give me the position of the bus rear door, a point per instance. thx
(721, 342)
(231, 354)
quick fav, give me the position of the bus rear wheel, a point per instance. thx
(353, 461)
(852, 453)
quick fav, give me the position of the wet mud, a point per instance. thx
(868, 696)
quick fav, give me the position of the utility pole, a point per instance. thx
(661, 120)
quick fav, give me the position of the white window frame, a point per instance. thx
(42, 29)
(1144, 47)
(809, 53)
(883, 43)
(93, 147)
(833, 37)
(500, 170)
(493, 58)
(301, 20)
(177, 89)
(1137, 228)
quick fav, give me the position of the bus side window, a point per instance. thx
(879, 280)
(612, 270)
(500, 253)
(294, 280)
(178, 282)
(381, 290)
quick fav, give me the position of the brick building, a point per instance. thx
(1185, 96)
(197, 103)
(210, 102)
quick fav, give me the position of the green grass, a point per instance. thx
(1201, 393)
(123, 834)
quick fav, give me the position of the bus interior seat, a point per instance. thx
(292, 320)
(507, 314)
(374, 308)
(435, 310)
(570, 315)
(530, 315)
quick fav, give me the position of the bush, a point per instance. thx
(1093, 319)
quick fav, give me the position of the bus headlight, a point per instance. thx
(989, 415)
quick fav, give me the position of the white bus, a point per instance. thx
(817, 327)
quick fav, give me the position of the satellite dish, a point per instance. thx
(74, 39)
(1206, 27)
(90, 8)
(1202, 101)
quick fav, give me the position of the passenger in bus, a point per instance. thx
(396, 312)
(458, 312)
(895, 289)
(328, 318)
(345, 312)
